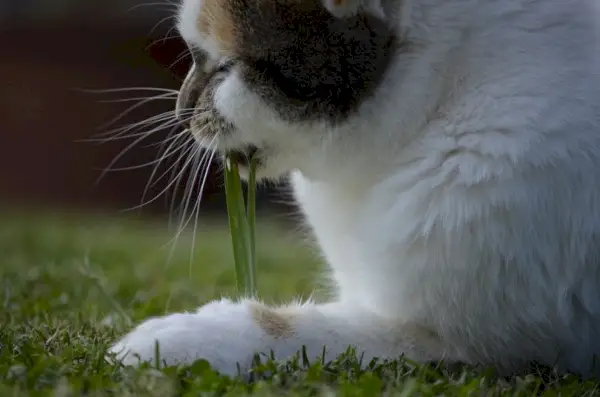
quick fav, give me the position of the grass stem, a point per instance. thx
(242, 222)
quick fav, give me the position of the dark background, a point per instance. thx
(51, 51)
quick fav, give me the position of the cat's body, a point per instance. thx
(456, 198)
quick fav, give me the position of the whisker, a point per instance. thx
(178, 179)
(188, 194)
(152, 162)
(192, 161)
(160, 116)
(132, 108)
(162, 143)
(197, 208)
(151, 182)
(165, 19)
(122, 136)
(182, 55)
(170, 97)
(189, 188)
(167, 116)
(125, 89)
(172, 28)
(146, 133)
(203, 161)
(188, 141)
(157, 5)
(165, 189)
(123, 152)
(164, 39)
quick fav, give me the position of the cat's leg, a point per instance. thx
(228, 333)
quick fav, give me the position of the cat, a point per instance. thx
(446, 155)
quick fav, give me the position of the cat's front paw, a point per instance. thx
(223, 332)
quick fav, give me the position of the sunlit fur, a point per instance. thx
(457, 206)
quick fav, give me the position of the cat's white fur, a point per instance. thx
(458, 210)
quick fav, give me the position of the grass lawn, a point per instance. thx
(69, 286)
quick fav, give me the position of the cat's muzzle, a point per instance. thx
(244, 156)
(196, 112)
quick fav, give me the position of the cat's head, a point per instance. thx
(277, 78)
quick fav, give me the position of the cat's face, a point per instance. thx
(274, 78)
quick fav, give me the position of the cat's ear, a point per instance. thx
(349, 8)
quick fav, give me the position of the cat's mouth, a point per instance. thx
(245, 155)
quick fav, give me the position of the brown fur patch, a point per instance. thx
(215, 21)
(275, 323)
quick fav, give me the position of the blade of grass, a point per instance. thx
(242, 221)
(232, 196)
(251, 221)
(243, 237)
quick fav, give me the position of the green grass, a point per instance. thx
(241, 212)
(69, 286)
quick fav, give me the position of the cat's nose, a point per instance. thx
(187, 98)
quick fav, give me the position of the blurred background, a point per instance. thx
(68, 243)
(52, 52)
(75, 250)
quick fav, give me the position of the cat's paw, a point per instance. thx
(224, 333)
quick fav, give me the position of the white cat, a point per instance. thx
(446, 154)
